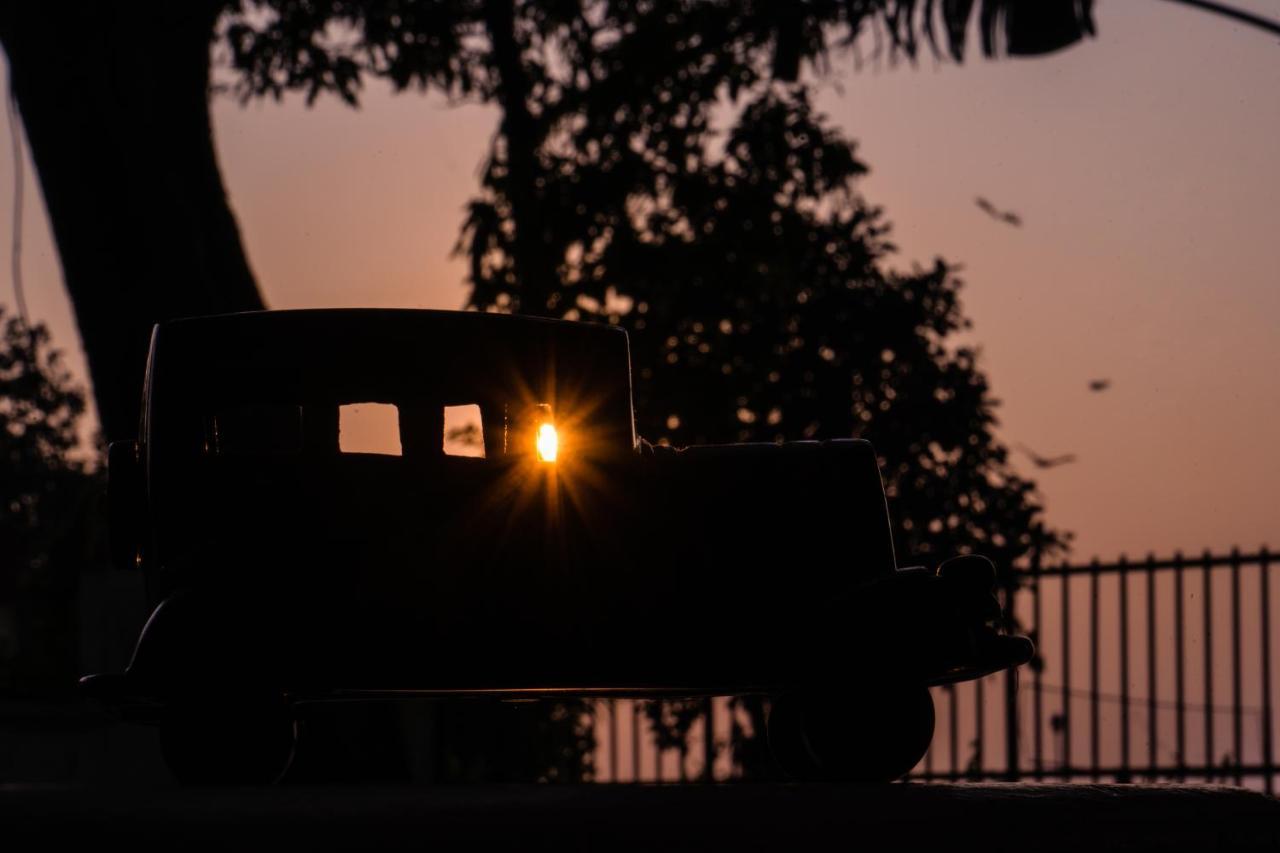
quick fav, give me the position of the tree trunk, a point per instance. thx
(115, 100)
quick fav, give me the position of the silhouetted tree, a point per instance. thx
(114, 97)
(46, 492)
(748, 271)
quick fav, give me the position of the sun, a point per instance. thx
(547, 443)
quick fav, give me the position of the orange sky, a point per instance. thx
(1144, 166)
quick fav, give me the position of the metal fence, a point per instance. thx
(1156, 669)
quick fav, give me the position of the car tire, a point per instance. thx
(875, 736)
(221, 743)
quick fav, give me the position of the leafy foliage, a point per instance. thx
(329, 46)
(319, 46)
(45, 494)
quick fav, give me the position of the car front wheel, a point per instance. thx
(876, 735)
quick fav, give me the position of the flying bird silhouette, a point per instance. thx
(1046, 461)
(1006, 216)
(1099, 384)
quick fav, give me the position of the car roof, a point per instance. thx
(410, 330)
(367, 354)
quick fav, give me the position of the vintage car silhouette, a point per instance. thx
(556, 553)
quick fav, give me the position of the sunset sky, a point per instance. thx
(1143, 163)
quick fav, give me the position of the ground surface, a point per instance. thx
(1081, 819)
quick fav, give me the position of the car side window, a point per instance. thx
(463, 431)
(369, 428)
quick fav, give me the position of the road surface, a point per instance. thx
(988, 818)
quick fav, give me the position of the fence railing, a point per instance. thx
(1155, 669)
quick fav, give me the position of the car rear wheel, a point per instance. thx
(877, 735)
(228, 742)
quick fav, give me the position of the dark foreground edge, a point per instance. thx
(1080, 819)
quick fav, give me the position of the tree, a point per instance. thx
(46, 495)
(751, 276)
(114, 99)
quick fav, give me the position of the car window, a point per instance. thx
(369, 428)
(463, 431)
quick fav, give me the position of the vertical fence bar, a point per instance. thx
(1010, 692)
(613, 740)
(979, 701)
(953, 732)
(1066, 676)
(657, 758)
(1094, 742)
(635, 740)
(1038, 689)
(709, 741)
(1209, 752)
(1179, 672)
(1237, 714)
(1264, 566)
(928, 753)
(1152, 727)
(1124, 670)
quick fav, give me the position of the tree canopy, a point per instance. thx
(686, 194)
(46, 496)
(333, 45)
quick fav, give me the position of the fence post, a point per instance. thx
(1152, 722)
(953, 729)
(1207, 579)
(1126, 773)
(1180, 714)
(1237, 736)
(978, 763)
(1066, 673)
(709, 741)
(1264, 563)
(635, 740)
(1094, 741)
(1011, 687)
(1038, 690)
(613, 739)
